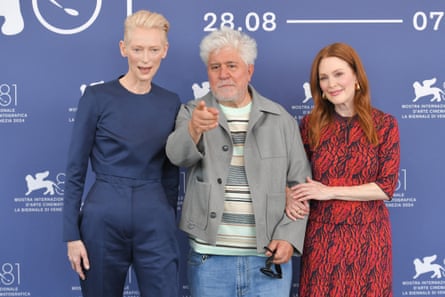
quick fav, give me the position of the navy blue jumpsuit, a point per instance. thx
(129, 214)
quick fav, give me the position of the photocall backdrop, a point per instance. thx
(50, 50)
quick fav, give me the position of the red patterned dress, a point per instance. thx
(347, 249)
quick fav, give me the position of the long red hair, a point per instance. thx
(323, 112)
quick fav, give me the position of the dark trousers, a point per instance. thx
(129, 222)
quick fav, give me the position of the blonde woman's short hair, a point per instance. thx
(145, 19)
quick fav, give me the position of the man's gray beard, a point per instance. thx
(224, 99)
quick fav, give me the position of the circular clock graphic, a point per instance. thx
(72, 12)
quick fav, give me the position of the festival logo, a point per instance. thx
(428, 277)
(84, 86)
(51, 14)
(9, 111)
(426, 266)
(40, 182)
(66, 20)
(200, 90)
(426, 90)
(401, 197)
(43, 194)
(10, 274)
(11, 279)
(13, 20)
(307, 92)
(73, 109)
(305, 105)
(428, 101)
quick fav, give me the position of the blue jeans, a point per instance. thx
(235, 276)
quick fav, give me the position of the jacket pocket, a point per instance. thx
(196, 205)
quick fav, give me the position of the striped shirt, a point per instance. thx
(236, 233)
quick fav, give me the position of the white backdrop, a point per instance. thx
(49, 51)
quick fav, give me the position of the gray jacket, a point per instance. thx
(273, 155)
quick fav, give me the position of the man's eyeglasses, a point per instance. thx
(267, 270)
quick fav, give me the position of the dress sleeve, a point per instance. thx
(170, 177)
(82, 140)
(389, 155)
(170, 182)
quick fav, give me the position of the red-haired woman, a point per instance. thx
(354, 153)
